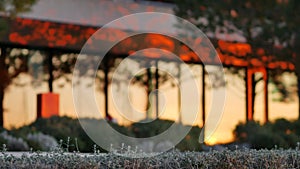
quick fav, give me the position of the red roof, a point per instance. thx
(45, 34)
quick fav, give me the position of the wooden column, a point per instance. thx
(106, 71)
(179, 93)
(250, 72)
(48, 103)
(203, 104)
(246, 93)
(298, 87)
(249, 96)
(156, 88)
(50, 71)
(266, 94)
(149, 89)
(203, 94)
(4, 74)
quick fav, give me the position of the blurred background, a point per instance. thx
(256, 41)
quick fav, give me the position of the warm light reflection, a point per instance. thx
(234, 111)
(212, 141)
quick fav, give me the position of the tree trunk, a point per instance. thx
(149, 89)
(266, 94)
(50, 71)
(298, 85)
(156, 92)
(1, 107)
(4, 81)
(203, 98)
(297, 66)
(106, 71)
(254, 82)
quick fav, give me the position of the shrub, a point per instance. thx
(153, 128)
(14, 143)
(265, 139)
(190, 142)
(296, 127)
(244, 132)
(61, 128)
(280, 133)
(45, 142)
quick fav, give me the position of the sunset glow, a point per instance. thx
(59, 42)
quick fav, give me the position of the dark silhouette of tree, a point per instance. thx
(4, 82)
(12, 8)
(12, 63)
(145, 78)
(9, 8)
(271, 25)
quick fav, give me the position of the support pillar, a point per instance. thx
(298, 88)
(149, 89)
(266, 94)
(106, 71)
(48, 103)
(179, 93)
(156, 88)
(4, 79)
(202, 136)
(50, 71)
(250, 72)
(203, 94)
(246, 93)
(249, 96)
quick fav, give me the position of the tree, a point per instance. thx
(12, 63)
(9, 8)
(145, 78)
(12, 8)
(271, 26)
(4, 82)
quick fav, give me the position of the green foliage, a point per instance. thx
(264, 139)
(14, 7)
(245, 16)
(156, 127)
(296, 127)
(2, 141)
(153, 128)
(281, 133)
(62, 128)
(270, 25)
(243, 132)
(191, 141)
(71, 136)
(14, 143)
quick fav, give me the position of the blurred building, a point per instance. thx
(47, 41)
